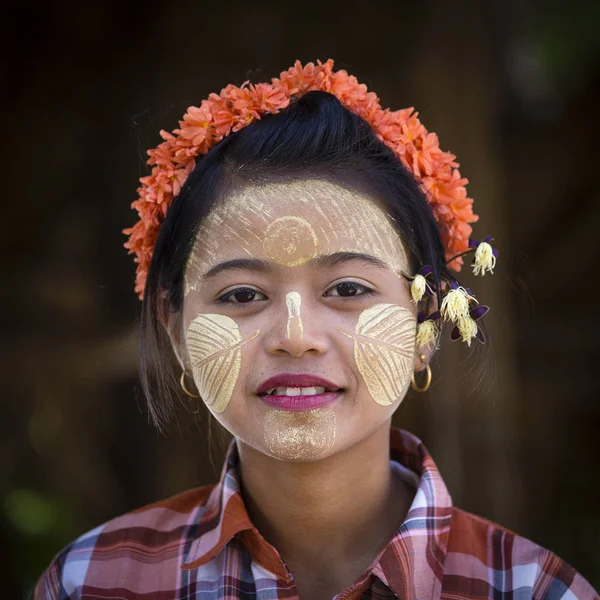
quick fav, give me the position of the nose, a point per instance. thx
(295, 329)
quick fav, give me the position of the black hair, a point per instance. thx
(315, 137)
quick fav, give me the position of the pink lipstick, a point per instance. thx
(298, 392)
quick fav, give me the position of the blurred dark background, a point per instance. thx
(512, 88)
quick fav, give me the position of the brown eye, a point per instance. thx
(348, 289)
(242, 295)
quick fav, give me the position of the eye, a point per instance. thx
(348, 288)
(241, 295)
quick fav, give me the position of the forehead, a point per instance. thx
(292, 223)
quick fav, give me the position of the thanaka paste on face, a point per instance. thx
(214, 344)
(295, 330)
(305, 435)
(384, 345)
(292, 223)
(290, 241)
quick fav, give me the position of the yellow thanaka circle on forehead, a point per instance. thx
(290, 241)
(292, 223)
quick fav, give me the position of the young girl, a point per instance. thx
(294, 251)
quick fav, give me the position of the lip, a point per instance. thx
(299, 403)
(299, 380)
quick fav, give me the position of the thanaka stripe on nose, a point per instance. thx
(295, 331)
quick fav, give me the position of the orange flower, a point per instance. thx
(427, 155)
(235, 107)
(388, 129)
(298, 79)
(268, 98)
(222, 117)
(194, 126)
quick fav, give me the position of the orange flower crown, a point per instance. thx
(235, 107)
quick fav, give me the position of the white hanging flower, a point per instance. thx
(467, 328)
(427, 333)
(485, 255)
(455, 304)
(484, 259)
(417, 288)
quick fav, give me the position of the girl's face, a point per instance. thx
(298, 327)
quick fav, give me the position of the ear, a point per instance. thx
(427, 352)
(172, 322)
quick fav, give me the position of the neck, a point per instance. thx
(302, 508)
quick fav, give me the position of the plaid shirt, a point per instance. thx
(202, 544)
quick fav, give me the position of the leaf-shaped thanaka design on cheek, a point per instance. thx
(384, 344)
(215, 347)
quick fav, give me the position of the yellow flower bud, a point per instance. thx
(484, 259)
(467, 328)
(427, 333)
(417, 288)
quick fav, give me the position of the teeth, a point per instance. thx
(292, 391)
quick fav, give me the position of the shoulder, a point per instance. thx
(485, 559)
(129, 547)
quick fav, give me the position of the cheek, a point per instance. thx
(214, 344)
(384, 345)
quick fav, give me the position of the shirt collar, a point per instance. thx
(411, 564)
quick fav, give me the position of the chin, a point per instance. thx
(300, 436)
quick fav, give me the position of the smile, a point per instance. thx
(297, 392)
(299, 402)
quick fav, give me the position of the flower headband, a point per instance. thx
(235, 107)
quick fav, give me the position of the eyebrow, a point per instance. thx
(240, 264)
(322, 261)
(338, 258)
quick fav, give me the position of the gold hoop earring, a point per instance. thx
(182, 382)
(413, 383)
